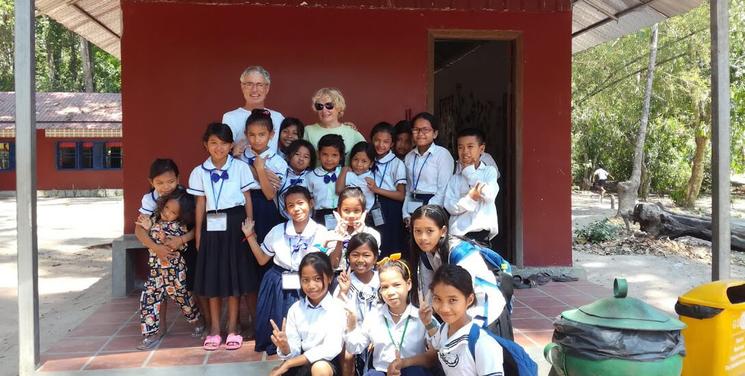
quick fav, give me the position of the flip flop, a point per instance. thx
(233, 342)
(564, 278)
(540, 278)
(212, 343)
(150, 342)
(519, 282)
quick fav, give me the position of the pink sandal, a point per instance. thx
(212, 343)
(233, 342)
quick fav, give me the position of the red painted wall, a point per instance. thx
(49, 177)
(181, 65)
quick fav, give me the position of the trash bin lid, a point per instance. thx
(622, 312)
(718, 294)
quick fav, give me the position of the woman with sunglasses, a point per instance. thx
(329, 105)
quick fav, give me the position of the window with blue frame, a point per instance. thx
(76, 155)
(7, 156)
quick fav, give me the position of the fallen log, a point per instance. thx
(656, 221)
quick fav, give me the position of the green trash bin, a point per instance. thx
(616, 336)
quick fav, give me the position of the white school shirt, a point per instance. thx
(362, 297)
(289, 179)
(366, 229)
(288, 247)
(389, 172)
(467, 215)
(354, 180)
(429, 173)
(272, 162)
(149, 203)
(223, 193)
(324, 190)
(601, 174)
(456, 358)
(236, 120)
(485, 158)
(373, 331)
(489, 299)
(315, 331)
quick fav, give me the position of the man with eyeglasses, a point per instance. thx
(255, 81)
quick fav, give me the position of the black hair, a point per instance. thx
(352, 192)
(428, 117)
(297, 189)
(363, 147)
(187, 206)
(401, 267)
(290, 121)
(384, 127)
(456, 276)
(296, 145)
(320, 262)
(260, 116)
(222, 131)
(162, 165)
(363, 238)
(441, 218)
(466, 132)
(334, 141)
(403, 126)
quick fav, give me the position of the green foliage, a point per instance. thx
(608, 88)
(58, 60)
(597, 232)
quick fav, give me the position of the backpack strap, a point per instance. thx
(461, 251)
(473, 336)
(425, 261)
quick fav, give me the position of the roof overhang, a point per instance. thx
(593, 21)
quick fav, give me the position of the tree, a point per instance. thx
(628, 190)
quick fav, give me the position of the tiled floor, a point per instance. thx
(108, 338)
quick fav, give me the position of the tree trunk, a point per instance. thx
(646, 182)
(656, 221)
(628, 190)
(87, 58)
(697, 170)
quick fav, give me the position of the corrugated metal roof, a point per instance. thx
(68, 110)
(593, 21)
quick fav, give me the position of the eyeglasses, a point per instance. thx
(422, 130)
(320, 106)
(251, 85)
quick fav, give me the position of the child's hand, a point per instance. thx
(371, 184)
(359, 224)
(239, 147)
(176, 242)
(259, 163)
(425, 310)
(279, 337)
(344, 283)
(394, 369)
(163, 253)
(475, 192)
(278, 370)
(341, 225)
(144, 222)
(351, 319)
(273, 179)
(248, 227)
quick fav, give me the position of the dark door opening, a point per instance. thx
(474, 87)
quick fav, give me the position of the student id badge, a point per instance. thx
(290, 281)
(413, 204)
(377, 214)
(330, 221)
(217, 221)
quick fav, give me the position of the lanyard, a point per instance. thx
(403, 335)
(212, 184)
(382, 176)
(416, 179)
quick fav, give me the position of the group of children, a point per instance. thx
(344, 268)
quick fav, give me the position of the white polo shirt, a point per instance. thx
(322, 184)
(427, 173)
(288, 247)
(226, 189)
(149, 203)
(389, 172)
(456, 358)
(467, 215)
(273, 162)
(315, 331)
(236, 120)
(354, 180)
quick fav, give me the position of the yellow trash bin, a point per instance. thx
(715, 335)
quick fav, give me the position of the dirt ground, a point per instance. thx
(75, 260)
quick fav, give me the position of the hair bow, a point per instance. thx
(394, 258)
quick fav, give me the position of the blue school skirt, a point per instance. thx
(225, 265)
(273, 303)
(392, 231)
(266, 214)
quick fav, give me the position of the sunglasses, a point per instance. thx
(320, 106)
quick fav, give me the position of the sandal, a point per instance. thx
(519, 282)
(150, 342)
(233, 342)
(540, 278)
(197, 331)
(564, 278)
(212, 343)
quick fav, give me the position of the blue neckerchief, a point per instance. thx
(329, 178)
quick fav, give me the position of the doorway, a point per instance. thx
(472, 85)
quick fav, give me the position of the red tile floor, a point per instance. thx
(107, 339)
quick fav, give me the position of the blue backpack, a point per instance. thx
(517, 362)
(492, 259)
